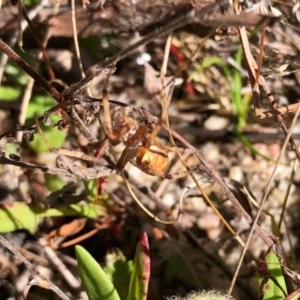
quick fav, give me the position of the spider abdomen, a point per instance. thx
(153, 161)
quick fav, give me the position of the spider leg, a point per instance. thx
(123, 160)
(132, 145)
(107, 116)
(175, 149)
(179, 150)
(177, 176)
(100, 147)
(155, 131)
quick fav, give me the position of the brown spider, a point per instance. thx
(142, 149)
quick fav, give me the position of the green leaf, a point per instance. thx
(118, 270)
(54, 182)
(249, 145)
(90, 211)
(209, 62)
(10, 148)
(8, 93)
(54, 136)
(91, 189)
(271, 280)
(30, 2)
(19, 215)
(139, 281)
(13, 72)
(94, 280)
(37, 106)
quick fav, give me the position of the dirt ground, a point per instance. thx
(198, 81)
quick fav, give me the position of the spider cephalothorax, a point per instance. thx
(123, 126)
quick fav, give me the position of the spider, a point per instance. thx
(141, 147)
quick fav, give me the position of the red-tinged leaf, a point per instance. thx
(139, 281)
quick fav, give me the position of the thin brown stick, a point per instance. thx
(30, 71)
(41, 45)
(251, 68)
(93, 173)
(40, 279)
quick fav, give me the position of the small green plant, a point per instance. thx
(241, 103)
(108, 283)
(127, 280)
(271, 281)
(18, 215)
(203, 295)
(37, 106)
